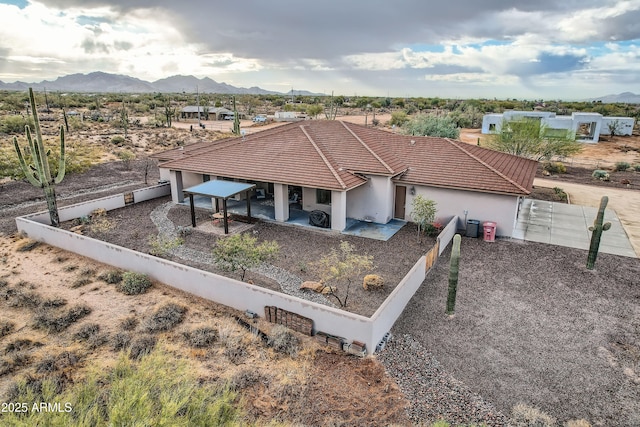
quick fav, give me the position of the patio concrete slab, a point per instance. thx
(568, 225)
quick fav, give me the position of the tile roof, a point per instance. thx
(334, 155)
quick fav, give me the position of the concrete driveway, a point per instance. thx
(568, 225)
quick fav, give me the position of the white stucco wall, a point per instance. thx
(164, 173)
(501, 209)
(309, 201)
(625, 125)
(372, 201)
(338, 210)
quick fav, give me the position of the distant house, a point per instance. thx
(351, 171)
(586, 126)
(206, 112)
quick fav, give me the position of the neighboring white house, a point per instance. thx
(586, 126)
(352, 171)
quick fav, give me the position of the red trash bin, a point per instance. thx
(489, 231)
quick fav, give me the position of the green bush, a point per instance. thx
(555, 167)
(117, 140)
(622, 166)
(600, 174)
(133, 283)
(561, 193)
(158, 389)
(14, 124)
(636, 167)
(111, 277)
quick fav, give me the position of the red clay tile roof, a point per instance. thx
(333, 155)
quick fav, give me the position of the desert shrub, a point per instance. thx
(70, 268)
(14, 124)
(235, 352)
(6, 327)
(165, 318)
(87, 272)
(142, 346)
(23, 344)
(55, 320)
(117, 140)
(600, 174)
(622, 166)
(3, 283)
(53, 303)
(80, 282)
(28, 246)
(527, 416)
(36, 387)
(555, 167)
(133, 283)
(561, 193)
(245, 378)
(126, 157)
(120, 341)
(161, 246)
(578, 423)
(21, 298)
(636, 167)
(60, 258)
(9, 364)
(282, 340)
(86, 331)
(57, 362)
(201, 337)
(129, 323)
(111, 277)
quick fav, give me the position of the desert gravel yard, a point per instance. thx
(533, 325)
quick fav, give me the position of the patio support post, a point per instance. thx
(193, 211)
(226, 221)
(248, 206)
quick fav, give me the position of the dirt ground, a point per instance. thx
(533, 325)
(133, 228)
(318, 387)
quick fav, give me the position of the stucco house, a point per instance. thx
(354, 172)
(587, 127)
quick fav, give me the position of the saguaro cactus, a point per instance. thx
(597, 229)
(236, 118)
(39, 173)
(453, 274)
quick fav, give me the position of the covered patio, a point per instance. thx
(216, 190)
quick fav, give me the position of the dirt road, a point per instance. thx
(626, 203)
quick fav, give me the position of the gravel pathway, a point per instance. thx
(289, 283)
(433, 394)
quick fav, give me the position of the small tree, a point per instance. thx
(423, 212)
(342, 266)
(314, 110)
(242, 252)
(615, 127)
(529, 138)
(427, 125)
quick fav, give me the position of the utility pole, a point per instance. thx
(198, 101)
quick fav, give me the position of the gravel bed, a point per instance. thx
(289, 283)
(433, 393)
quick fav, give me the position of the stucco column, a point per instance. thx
(338, 210)
(281, 201)
(177, 196)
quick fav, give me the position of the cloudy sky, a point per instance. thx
(547, 49)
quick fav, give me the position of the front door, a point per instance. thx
(401, 200)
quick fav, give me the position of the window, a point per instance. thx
(323, 197)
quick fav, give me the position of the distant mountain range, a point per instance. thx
(624, 98)
(113, 83)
